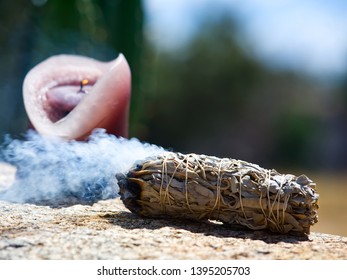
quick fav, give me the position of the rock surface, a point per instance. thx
(107, 230)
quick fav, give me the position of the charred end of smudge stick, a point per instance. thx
(129, 192)
(235, 192)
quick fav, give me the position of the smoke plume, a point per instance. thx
(52, 171)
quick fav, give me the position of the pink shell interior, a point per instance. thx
(57, 106)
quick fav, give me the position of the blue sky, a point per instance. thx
(305, 35)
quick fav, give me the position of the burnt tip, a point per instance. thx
(129, 193)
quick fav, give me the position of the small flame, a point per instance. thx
(53, 171)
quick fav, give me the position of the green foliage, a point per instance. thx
(214, 98)
(31, 31)
(210, 96)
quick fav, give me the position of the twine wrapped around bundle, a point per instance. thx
(231, 191)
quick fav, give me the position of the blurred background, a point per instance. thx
(263, 81)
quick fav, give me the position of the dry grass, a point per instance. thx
(332, 213)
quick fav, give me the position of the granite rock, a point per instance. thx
(107, 230)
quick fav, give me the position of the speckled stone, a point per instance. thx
(107, 230)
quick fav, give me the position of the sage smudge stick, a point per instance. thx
(235, 192)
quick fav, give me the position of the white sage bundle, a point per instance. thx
(234, 192)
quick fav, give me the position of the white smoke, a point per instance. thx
(55, 172)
